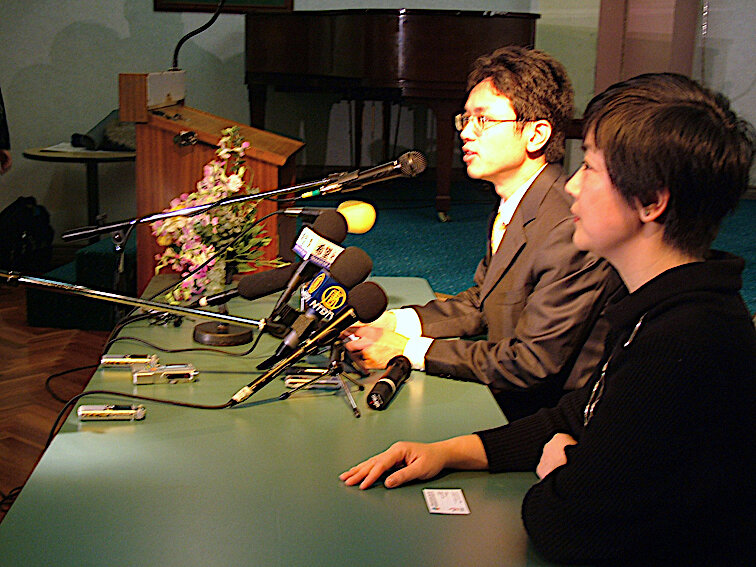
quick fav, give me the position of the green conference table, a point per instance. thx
(258, 484)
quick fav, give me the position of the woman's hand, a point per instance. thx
(418, 461)
(553, 454)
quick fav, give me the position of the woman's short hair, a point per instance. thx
(537, 86)
(665, 131)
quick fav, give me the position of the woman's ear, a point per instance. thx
(539, 133)
(652, 211)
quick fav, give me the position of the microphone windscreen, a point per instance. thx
(261, 284)
(360, 216)
(368, 300)
(351, 267)
(331, 225)
(412, 163)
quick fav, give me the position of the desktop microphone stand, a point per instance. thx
(335, 369)
(221, 333)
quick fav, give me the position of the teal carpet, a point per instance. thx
(408, 239)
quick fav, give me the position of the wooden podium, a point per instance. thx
(165, 168)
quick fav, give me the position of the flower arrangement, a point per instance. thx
(219, 242)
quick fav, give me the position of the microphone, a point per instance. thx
(325, 297)
(360, 216)
(252, 286)
(365, 303)
(318, 247)
(397, 371)
(408, 164)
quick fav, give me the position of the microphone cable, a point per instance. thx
(190, 349)
(6, 500)
(69, 404)
(191, 34)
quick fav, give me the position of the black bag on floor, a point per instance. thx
(25, 236)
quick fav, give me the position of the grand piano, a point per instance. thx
(395, 56)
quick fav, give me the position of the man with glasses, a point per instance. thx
(537, 299)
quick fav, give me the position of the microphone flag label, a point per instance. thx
(312, 247)
(325, 296)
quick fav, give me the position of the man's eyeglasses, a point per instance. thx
(479, 123)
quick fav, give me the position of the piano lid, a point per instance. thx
(421, 52)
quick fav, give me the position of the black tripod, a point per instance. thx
(337, 370)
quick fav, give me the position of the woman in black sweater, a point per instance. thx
(652, 461)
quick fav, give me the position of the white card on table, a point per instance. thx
(445, 501)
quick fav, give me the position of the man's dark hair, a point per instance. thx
(665, 131)
(536, 84)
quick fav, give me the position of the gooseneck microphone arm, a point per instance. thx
(52, 285)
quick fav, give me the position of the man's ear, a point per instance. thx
(652, 211)
(539, 132)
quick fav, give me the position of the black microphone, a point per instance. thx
(325, 298)
(252, 286)
(408, 164)
(366, 303)
(330, 229)
(397, 371)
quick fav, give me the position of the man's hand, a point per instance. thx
(375, 346)
(553, 455)
(418, 461)
(386, 321)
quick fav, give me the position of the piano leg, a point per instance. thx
(445, 139)
(386, 129)
(359, 111)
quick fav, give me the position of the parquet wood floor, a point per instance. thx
(28, 355)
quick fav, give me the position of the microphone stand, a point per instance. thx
(335, 369)
(125, 225)
(221, 334)
(62, 287)
(409, 164)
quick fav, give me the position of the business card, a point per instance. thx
(445, 501)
